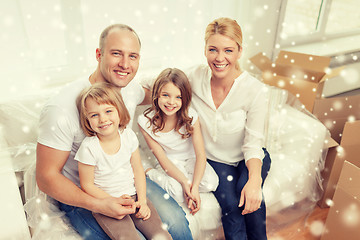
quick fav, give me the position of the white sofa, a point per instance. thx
(294, 139)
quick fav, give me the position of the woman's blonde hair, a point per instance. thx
(180, 80)
(102, 93)
(227, 27)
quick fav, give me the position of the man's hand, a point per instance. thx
(116, 207)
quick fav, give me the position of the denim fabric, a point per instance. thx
(237, 226)
(170, 213)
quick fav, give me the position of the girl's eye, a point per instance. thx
(179, 97)
(229, 51)
(108, 111)
(94, 115)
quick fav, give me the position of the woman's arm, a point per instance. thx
(86, 174)
(251, 194)
(165, 163)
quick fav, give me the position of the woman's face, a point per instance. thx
(222, 54)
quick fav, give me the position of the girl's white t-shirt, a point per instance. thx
(175, 147)
(113, 173)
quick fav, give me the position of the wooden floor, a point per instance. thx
(308, 227)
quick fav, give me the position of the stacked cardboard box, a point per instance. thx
(343, 219)
(304, 76)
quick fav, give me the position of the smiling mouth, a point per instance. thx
(220, 66)
(170, 108)
(105, 126)
(121, 73)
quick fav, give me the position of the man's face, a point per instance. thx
(119, 58)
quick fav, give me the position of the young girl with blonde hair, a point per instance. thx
(172, 131)
(109, 163)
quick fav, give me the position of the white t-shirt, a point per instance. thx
(175, 147)
(235, 130)
(59, 125)
(112, 173)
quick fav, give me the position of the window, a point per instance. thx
(310, 21)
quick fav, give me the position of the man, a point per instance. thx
(60, 136)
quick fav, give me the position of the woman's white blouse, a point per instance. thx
(235, 130)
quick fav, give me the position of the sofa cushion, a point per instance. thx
(19, 123)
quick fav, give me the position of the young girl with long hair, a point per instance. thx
(109, 163)
(172, 131)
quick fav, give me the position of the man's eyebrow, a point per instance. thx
(121, 51)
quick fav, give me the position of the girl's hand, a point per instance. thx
(195, 202)
(186, 190)
(251, 195)
(144, 211)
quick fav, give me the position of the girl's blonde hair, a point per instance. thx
(180, 80)
(102, 93)
(227, 27)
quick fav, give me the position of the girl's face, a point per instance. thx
(169, 99)
(222, 54)
(103, 118)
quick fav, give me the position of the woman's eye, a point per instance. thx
(212, 50)
(108, 111)
(229, 51)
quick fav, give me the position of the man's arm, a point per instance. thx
(49, 164)
(147, 98)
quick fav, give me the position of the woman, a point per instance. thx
(232, 106)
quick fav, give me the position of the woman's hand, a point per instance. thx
(251, 195)
(144, 210)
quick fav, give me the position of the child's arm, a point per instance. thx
(200, 165)
(86, 174)
(165, 163)
(140, 185)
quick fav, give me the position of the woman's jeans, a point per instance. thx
(170, 213)
(250, 226)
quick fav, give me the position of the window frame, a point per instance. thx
(314, 37)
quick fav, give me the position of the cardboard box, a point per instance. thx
(349, 150)
(343, 219)
(335, 112)
(303, 75)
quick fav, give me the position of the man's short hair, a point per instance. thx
(107, 30)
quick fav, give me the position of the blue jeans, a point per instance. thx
(169, 211)
(250, 226)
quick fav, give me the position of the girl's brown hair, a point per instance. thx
(227, 27)
(180, 80)
(102, 93)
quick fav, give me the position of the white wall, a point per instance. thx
(48, 42)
